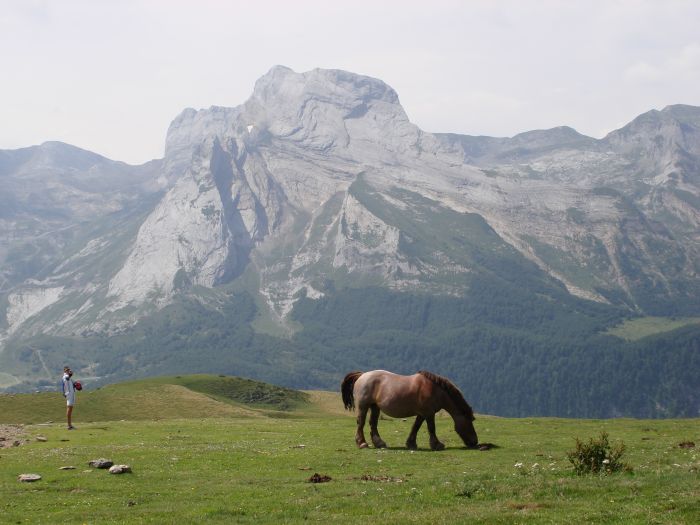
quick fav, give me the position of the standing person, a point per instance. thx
(69, 394)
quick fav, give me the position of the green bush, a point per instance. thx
(597, 456)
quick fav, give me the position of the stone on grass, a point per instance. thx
(28, 478)
(120, 469)
(67, 467)
(42, 439)
(101, 463)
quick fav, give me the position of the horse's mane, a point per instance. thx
(451, 390)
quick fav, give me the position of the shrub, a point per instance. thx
(597, 456)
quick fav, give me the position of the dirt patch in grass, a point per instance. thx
(11, 436)
(381, 479)
(526, 506)
(319, 478)
(686, 444)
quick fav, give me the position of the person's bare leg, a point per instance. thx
(69, 416)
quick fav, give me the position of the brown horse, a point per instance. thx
(421, 395)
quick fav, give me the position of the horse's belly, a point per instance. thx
(398, 409)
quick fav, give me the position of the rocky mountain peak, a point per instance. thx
(281, 85)
(317, 110)
(320, 109)
(677, 124)
(549, 137)
(665, 143)
(50, 154)
(683, 113)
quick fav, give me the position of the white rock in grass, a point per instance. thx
(28, 478)
(120, 469)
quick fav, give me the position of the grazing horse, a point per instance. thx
(421, 395)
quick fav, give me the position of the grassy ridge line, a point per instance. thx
(174, 397)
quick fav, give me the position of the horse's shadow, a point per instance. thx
(428, 449)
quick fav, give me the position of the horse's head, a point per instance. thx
(457, 407)
(464, 426)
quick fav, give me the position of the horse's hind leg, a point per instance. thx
(377, 441)
(411, 441)
(435, 443)
(360, 434)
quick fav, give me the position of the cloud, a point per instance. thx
(469, 111)
(688, 60)
(643, 72)
(684, 62)
(122, 70)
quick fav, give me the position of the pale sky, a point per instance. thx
(109, 76)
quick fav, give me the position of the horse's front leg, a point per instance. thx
(377, 441)
(360, 434)
(435, 443)
(411, 441)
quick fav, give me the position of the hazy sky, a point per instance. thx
(109, 76)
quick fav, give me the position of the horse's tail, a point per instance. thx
(346, 388)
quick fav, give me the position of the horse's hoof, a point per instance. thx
(437, 447)
(411, 446)
(378, 442)
(363, 445)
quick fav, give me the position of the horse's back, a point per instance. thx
(377, 378)
(396, 395)
(380, 375)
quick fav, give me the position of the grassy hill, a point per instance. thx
(173, 397)
(202, 448)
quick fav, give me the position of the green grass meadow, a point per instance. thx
(215, 452)
(641, 327)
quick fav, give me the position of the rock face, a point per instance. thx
(65, 215)
(242, 176)
(194, 236)
(365, 243)
(319, 177)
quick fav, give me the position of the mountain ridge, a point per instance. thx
(320, 182)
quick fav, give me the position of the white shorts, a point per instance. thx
(70, 400)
